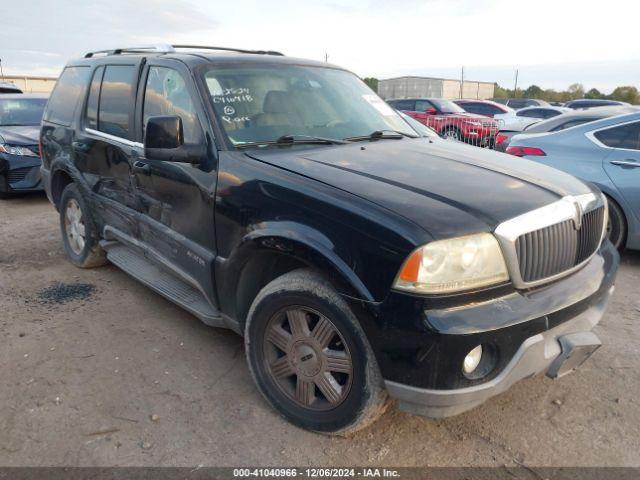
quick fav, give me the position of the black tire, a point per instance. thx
(451, 133)
(617, 226)
(89, 254)
(4, 187)
(363, 397)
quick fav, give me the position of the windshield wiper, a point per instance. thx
(296, 139)
(382, 134)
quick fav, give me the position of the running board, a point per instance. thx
(161, 281)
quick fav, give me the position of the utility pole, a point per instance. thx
(461, 81)
(326, 57)
(1, 71)
(515, 87)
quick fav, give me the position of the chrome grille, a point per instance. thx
(557, 248)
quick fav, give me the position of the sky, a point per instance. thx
(552, 43)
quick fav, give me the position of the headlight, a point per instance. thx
(452, 265)
(15, 150)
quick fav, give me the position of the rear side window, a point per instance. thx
(623, 136)
(66, 94)
(550, 113)
(533, 113)
(573, 123)
(407, 105)
(422, 105)
(116, 100)
(517, 103)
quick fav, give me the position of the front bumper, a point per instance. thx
(557, 351)
(420, 343)
(20, 174)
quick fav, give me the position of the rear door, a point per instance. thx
(622, 162)
(106, 145)
(176, 200)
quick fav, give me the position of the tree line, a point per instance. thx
(575, 91)
(625, 93)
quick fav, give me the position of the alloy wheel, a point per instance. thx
(74, 226)
(307, 358)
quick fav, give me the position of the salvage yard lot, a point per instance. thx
(97, 370)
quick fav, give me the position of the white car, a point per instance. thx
(518, 120)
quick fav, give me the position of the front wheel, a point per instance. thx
(617, 225)
(451, 133)
(310, 358)
(79, 235)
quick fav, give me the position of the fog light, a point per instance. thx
(472, 360)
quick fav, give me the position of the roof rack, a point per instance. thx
(165, 48)
(160, 48)
(229, 49)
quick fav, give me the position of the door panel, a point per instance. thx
(104, 149)
(176, 200)
(623, 168)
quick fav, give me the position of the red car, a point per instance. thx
(449, 120)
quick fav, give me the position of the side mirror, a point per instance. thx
(430, 111)
(164, 140)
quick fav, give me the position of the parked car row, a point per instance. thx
(604, 152)
(449, 120)
(561, 122)
(565, 138)
(518, 103)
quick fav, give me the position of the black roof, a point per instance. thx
(194, 55)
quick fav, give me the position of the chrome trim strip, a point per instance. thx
(114, 138)
(567, 208)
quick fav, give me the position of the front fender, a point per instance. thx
(305, 244)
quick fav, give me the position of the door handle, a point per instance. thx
(141, 167)
(626, 163)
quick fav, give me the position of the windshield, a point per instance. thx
(262, 103)
(447, 106)
(23, 111)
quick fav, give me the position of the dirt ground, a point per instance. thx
(120, 376)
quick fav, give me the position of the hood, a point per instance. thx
(447, 188)
(20, 135)
(468, 116)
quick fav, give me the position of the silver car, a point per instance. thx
(606, 153)
(561, 122)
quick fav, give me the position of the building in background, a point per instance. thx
(31, 83)
(426, 87)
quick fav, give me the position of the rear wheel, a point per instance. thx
(310, 357)
(617, 225)
(79, 235)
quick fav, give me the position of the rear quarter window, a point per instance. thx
(66, 95)
(623, 136)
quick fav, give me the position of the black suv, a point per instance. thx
(283, 199)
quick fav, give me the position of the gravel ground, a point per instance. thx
(97, 370)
